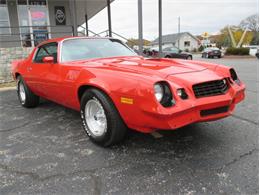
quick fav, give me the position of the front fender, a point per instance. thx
(128, 91)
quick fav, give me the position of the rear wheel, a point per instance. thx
(189, 58)
(26, 97)
(167, 56)
(101, 120)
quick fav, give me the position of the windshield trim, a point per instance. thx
(74, 38)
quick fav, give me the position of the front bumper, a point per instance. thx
(187, 111)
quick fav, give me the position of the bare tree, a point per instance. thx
(251, 23)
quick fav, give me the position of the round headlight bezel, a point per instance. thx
(163, 94)
(234, 76)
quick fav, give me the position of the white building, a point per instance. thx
(184, 40)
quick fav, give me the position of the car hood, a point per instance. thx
(161, 67)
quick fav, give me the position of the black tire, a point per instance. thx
(219, 56)
(31, 100)
(167, 56)
(116, 129)
(189, 58)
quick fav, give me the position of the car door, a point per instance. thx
(175, 53)
(45, 75)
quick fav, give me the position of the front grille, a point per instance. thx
(210, 88)
(214, 111)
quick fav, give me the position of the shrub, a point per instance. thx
(237, 51)
(201, 48)
(194, 50)
(187, 50)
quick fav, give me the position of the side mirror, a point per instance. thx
(48, 59)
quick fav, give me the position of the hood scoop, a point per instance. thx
(155, 66)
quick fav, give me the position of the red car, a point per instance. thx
(115, 89)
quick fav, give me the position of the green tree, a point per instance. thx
(225, 39)
(131, 42)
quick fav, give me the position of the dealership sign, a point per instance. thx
(205, 35)
(60, 16)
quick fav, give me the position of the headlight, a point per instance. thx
(233, 74)
(182, 93)
(163, 94)
(158, 92)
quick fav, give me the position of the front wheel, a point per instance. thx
(101, 120)
(26, 97)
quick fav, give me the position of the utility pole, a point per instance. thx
(179, 30)
(109, 19)
(140, 26)
(86, 21)
(160, 27)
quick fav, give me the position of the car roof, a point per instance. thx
(60, 39)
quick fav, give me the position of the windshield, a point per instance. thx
(80, 49)
(172, 49)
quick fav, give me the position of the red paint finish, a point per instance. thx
(133, 78)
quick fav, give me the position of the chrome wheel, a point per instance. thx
(95, 117)
(22, 92)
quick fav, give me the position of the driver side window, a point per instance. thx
(50, 49)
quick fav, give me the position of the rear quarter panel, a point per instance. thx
(15, 67)
(19, 66)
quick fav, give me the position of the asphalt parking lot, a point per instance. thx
(45, 150)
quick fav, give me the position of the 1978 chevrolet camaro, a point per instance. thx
(115, 89)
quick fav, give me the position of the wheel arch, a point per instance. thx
(82, 88)
(17, 74)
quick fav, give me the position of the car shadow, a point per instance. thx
(183, 141)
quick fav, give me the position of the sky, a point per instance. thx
(197, 16)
